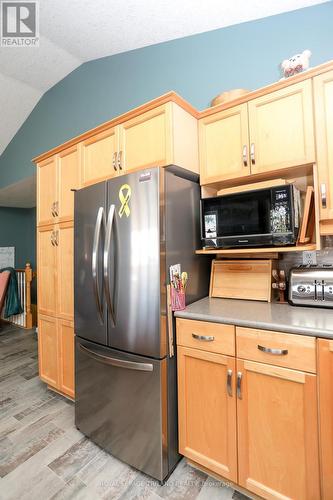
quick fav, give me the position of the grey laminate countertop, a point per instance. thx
(317, 322)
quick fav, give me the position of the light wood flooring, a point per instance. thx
(43, 456)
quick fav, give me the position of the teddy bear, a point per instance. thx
(296, 64)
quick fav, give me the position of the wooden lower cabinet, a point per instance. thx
(277, 432)
(48, 350)
(325, 370)
(207, 412)
(260, 431)
(66, 357)
(56, 353)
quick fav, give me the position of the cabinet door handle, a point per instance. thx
(275, 352)
(53, 209)
(239, 385)
(323, 195)
(207, 338)
(229, 382)
(56, 239)
(114, 159)
(252, 154)
(120, 154)
(245, 155)
(56, 208)
(52, 238)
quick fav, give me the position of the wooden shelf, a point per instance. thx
(231, 251)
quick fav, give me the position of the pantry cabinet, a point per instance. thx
(65, 336)
(244, 417)
(207, 410)
(48, 346)
(56, 273)
(46, 190)
(56, 353)
(47, 271)
(277, 431)
(65, 270)
(57, 179)
(223, 145)
(272, 132)
(69, 179)
(323, 99)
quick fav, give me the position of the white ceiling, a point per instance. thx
(76, 31)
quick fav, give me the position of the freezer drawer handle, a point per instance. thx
(94, 263)
(276, 352)
(106, 263)
(129, 365)
(207, 338)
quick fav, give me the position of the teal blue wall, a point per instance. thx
(18, 229)
(197, 67)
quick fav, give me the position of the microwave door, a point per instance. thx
(240, 219)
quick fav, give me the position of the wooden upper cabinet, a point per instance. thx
(325, 371)
(48, 357)
(282, 128)
(223, 144)
(99, 157)
(165, 135)
(47, 271)
(145, 140)
(207, 410)
(65, 274)
(68, 179)
(323, 98)
(46, 191)
(66, 357)
(277, 432)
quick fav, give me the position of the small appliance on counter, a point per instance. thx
(260, 217)
(311, 286)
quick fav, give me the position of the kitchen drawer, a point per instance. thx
(213, 337)
(289, 350)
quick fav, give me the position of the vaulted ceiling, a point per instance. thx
(73, 32)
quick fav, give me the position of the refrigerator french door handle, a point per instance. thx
(107, 245)
(94, 262)
(120, 363)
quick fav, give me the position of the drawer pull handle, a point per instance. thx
(240, 268)
(275, 352)
(239, 385)
(207, 338)
(229, 382)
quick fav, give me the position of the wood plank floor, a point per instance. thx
(43, 456)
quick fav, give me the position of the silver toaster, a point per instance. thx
(311, 286)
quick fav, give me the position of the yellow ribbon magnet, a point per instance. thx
(124, 197)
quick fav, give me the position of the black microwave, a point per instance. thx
(262, 217)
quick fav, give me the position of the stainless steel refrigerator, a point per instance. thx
(127, 233)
